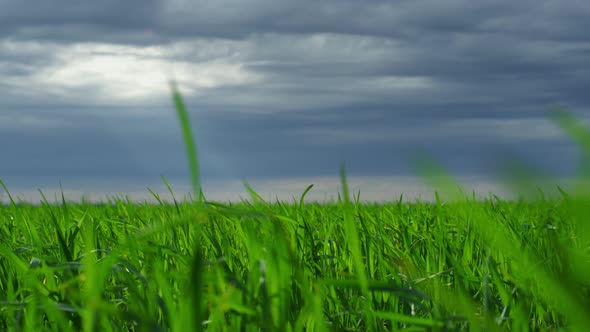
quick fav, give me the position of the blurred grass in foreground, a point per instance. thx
(454, 265)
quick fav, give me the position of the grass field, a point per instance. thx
(194, 265)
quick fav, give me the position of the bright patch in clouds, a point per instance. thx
(132, 74)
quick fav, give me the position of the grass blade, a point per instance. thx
(191, 147)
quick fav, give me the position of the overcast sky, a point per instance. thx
(280, 92)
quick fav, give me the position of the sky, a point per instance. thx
(281, 92)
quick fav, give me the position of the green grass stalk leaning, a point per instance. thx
(189, 143)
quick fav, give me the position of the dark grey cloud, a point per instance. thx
(413, 20)
(284, 144)
(64, 21)
(288, 88)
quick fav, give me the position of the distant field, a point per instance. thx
(452, 265)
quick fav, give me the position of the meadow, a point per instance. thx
(456, 264)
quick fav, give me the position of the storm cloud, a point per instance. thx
(286, 89)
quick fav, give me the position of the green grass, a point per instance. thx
(452, 265)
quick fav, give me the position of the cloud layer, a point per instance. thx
(288, 88)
